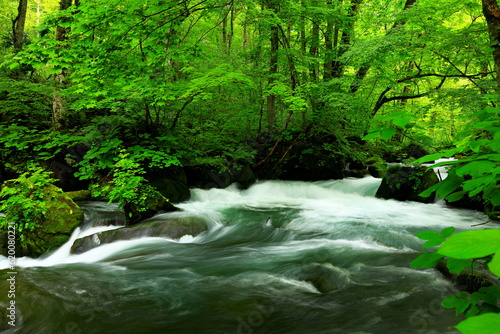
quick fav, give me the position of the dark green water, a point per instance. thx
(253, 271)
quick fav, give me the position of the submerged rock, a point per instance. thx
(61, 218)
(406, 183)
(172, 227)
(325, 278)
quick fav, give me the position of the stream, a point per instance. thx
(279, 257)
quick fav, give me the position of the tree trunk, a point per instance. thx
(491, 13)
(313, 50)
(59, 103)
(345, 40)
(18, 25)
(327, 75)
(273, 68)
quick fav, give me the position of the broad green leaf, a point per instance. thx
(457, 265)
(433, 242)
(449, 185)
(427, 235)
(482, 324)
(401, 121)
(442, 154)
(456, 196)
(472, 311)
(387, 133)
(475, 168)
(458, 301)
(494, 264)
(371, 135)
(446, 232)
(471, 244)
(426, 260)
(429, 191)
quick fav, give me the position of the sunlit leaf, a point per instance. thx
(482, 324)
(471, 244)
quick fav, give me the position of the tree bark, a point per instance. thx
(18, 25)
(327, 74)
(273, 67)
(491, 13)
(345, 40)
(59, 102)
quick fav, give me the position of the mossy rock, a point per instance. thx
(60, 220)
(406, 183)
(79, 195)
(172, 227)
(377, 167)
(243, 175)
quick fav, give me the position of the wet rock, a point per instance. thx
(79, 195)
(325, 278)
(61, 218)
(468, 280)
(208, 176)
(173, 227)
(171, 182)
(406, 183)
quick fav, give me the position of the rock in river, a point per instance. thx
(170, 227)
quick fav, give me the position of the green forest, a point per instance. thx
(135, 102)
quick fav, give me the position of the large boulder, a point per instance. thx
(61, 218)
(207, 176)
(171, 182)
(305, 158)
(170, 227)
(406, 183)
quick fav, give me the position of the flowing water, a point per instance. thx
(280, 257)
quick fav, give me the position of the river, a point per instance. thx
(280, 257)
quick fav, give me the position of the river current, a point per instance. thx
(280, 257)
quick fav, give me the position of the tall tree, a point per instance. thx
(491, 12)
(272, 6)
(18, 24)
(59, 103)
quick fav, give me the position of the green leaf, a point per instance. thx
(371, 135)
(471, 244)
(387, 133)
(458, 301)
(449, 185)
(484, 324)
(475, 168)
(494, 264)
(472, 311)
(426, 260)
(446, 232)
(427, 235)
(456, 196)
(401, 121)
(457, 265)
